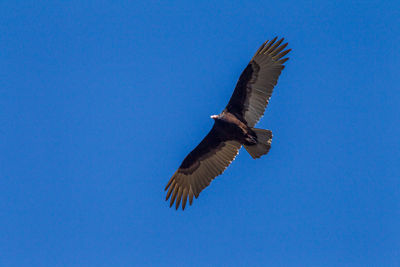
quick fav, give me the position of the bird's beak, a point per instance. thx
(214, 117)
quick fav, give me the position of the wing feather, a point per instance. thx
(208, 160)
(184, 197)
(190, 197)
(257, 81)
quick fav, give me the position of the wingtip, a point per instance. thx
(173, 197)
(169, 193)
(169, 183)
(177, 203)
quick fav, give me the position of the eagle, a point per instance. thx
(233, 127)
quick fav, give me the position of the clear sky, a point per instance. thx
(100, 102)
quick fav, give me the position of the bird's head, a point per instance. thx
(214, 117)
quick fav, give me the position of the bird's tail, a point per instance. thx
(264, 139)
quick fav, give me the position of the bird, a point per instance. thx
(233, 127)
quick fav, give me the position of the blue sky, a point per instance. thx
(101, 101)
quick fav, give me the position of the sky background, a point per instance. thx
(100, 102)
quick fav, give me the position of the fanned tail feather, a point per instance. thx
(264, 139)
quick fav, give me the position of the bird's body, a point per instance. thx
(233, 127)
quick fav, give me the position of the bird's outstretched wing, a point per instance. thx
(255, 85)
(208, 160)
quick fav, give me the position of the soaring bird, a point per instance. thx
(233, 127)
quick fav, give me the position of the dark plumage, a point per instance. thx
(233, 127)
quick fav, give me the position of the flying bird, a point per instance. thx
(233, 127)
